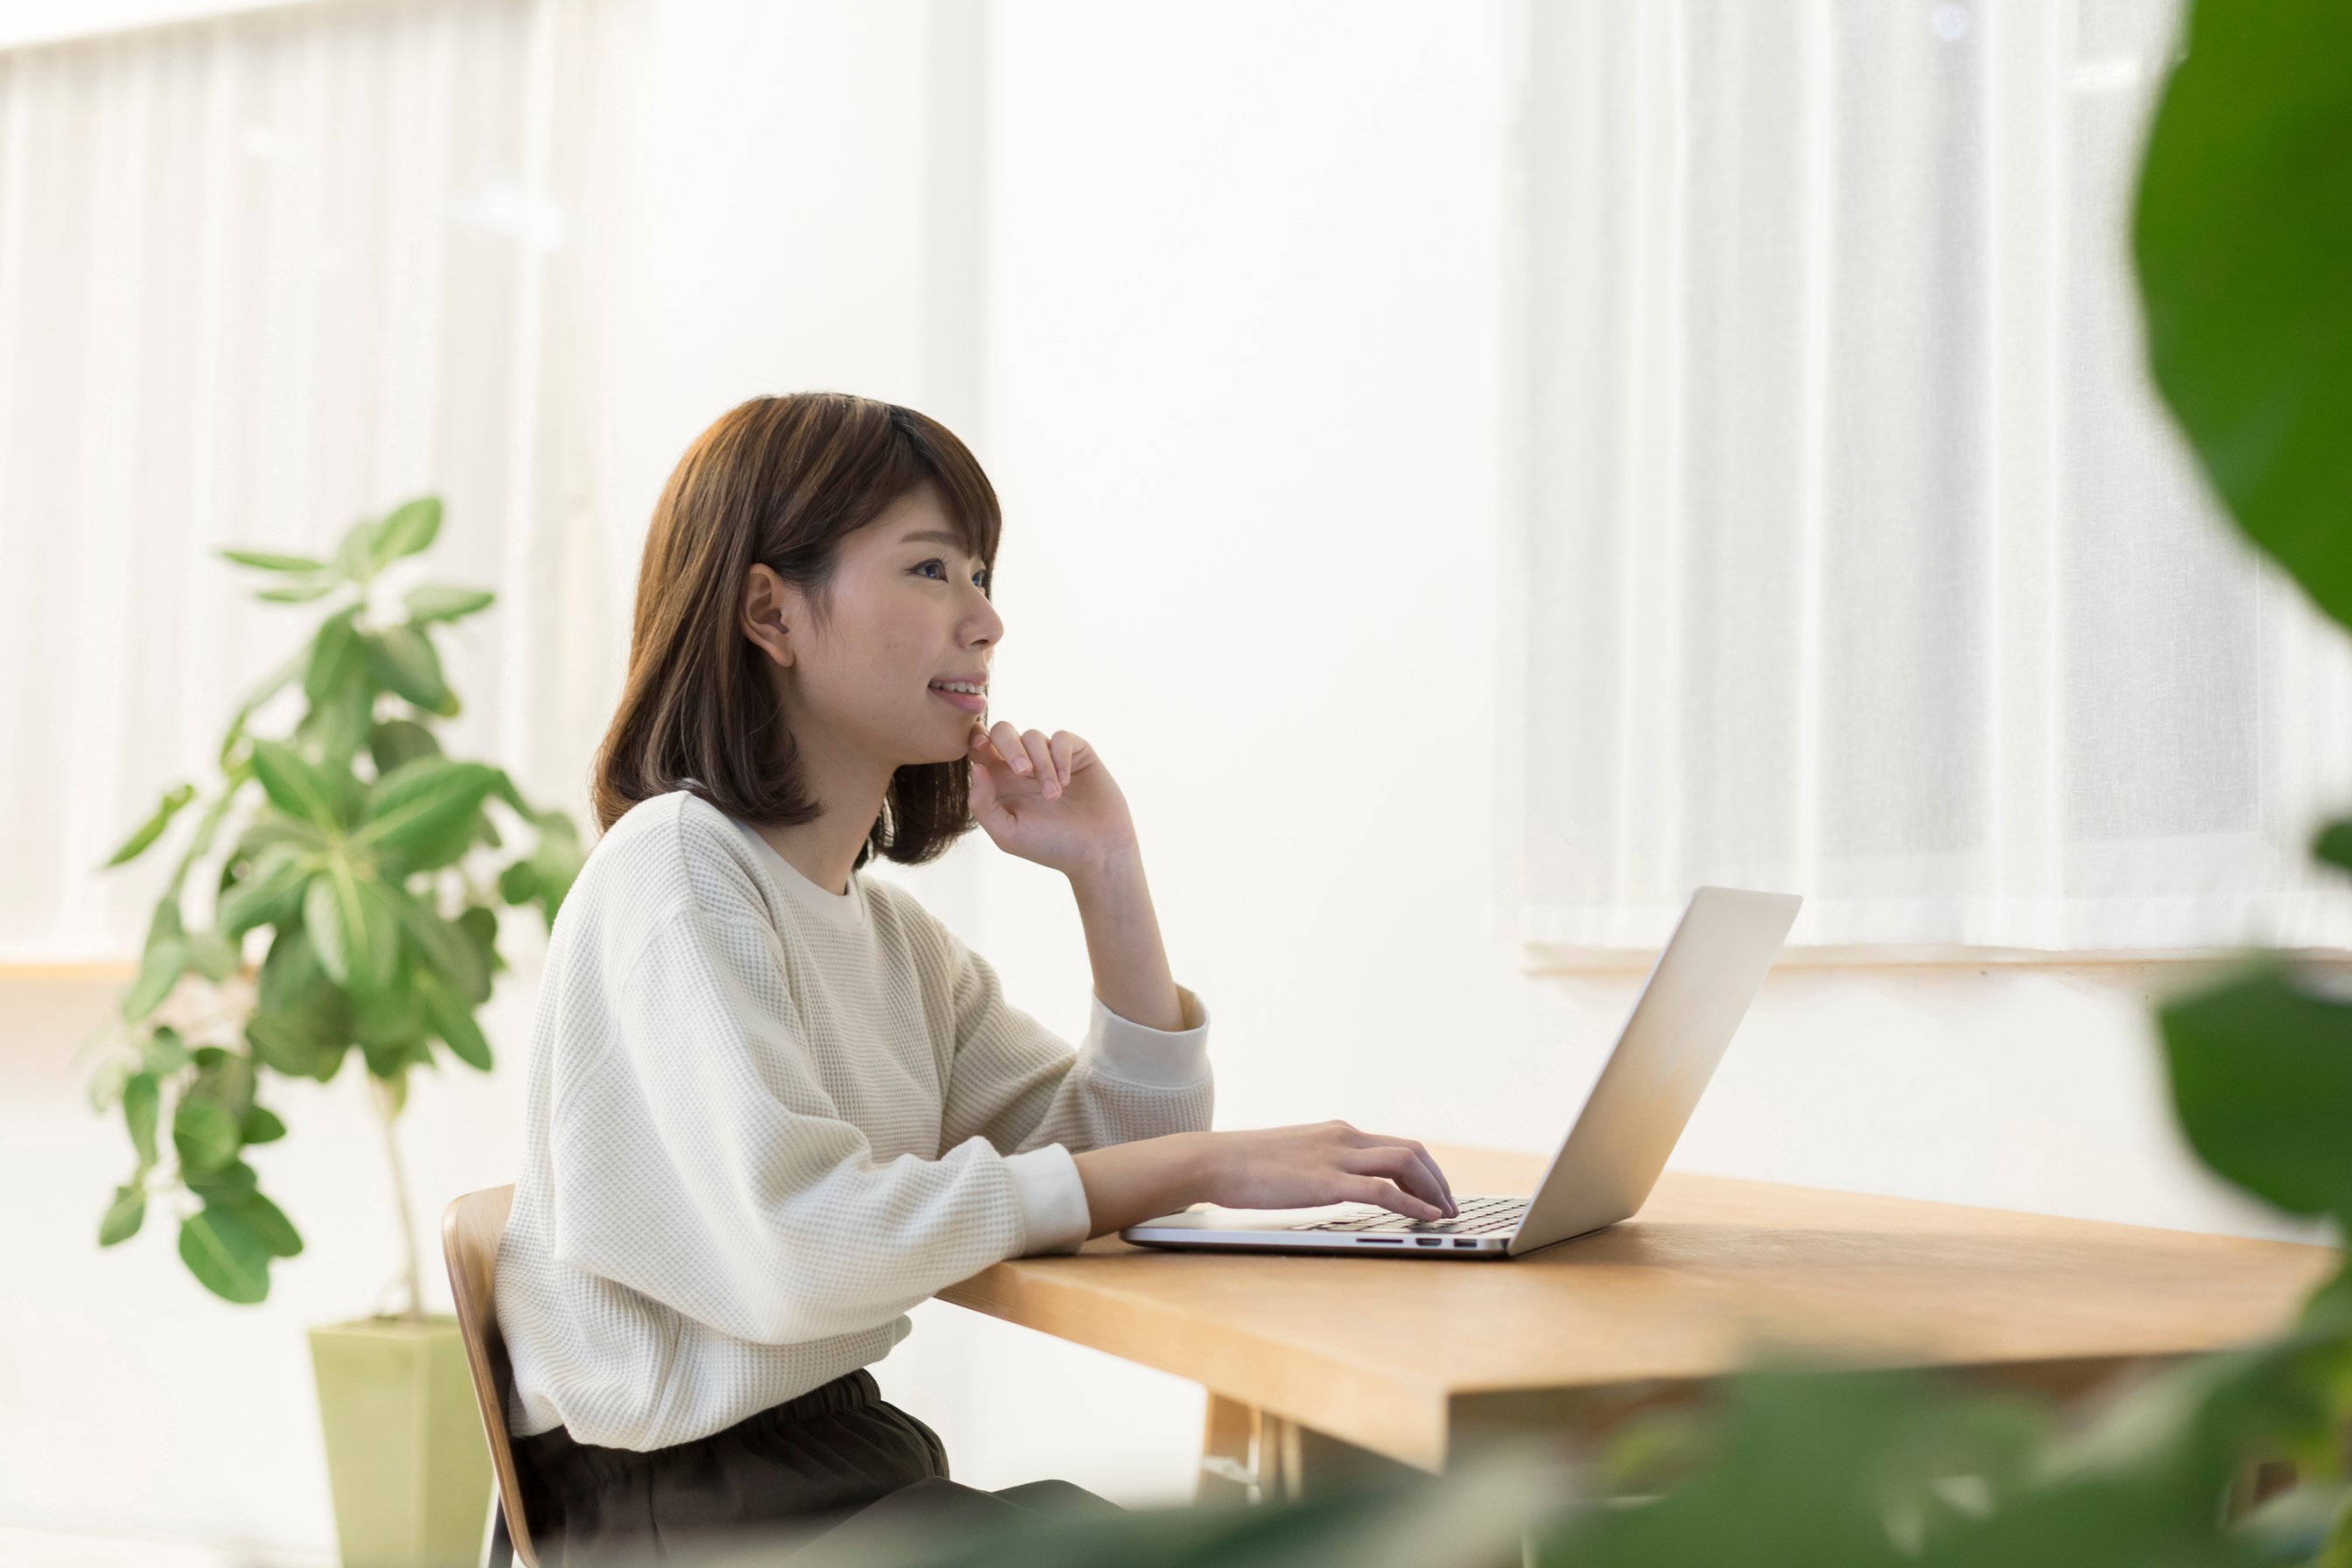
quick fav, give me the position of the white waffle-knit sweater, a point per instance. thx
(764, 1118)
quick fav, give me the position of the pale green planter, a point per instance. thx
(404, 1450)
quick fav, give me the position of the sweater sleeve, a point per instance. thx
(1017, 1084)
(701, 1162)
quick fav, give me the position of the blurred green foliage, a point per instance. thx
(352, 873)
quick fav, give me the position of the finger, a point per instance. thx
(980, 795)
(1008, 745)
(1064, 748)
(1041, 758)
(1368, 1140)
(1401, 1165)
(1430, 1159)
(1388, 1196)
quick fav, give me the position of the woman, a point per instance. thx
(774, 1104)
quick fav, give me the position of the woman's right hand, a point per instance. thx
(1262, 1168)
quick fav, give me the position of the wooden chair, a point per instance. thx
(470, 1229)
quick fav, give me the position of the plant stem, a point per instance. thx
(384, 1115)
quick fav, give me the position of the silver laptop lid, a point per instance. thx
(1698, 990)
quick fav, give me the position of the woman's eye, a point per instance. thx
(943, 567)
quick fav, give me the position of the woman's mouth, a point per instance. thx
(970, 702)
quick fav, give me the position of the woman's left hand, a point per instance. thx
(1047, 798)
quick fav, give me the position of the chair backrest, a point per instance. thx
(470, 1229)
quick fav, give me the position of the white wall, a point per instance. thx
(1241, 397)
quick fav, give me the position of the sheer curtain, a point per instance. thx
(259, 277)
(1854, 556)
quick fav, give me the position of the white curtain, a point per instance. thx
(1855, 556)
(259, 277)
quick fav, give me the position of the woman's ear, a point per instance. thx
(766, 614)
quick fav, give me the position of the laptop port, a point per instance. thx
(1383, 1240)
(1430, 1240)
(1465, 1244)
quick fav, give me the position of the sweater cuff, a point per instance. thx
(1162, 1058)
(1054, 1213)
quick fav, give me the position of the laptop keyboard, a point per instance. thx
(1478, 1216)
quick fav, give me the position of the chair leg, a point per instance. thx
(1226, 1475)
(497, 1547)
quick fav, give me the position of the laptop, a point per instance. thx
(1698, 990)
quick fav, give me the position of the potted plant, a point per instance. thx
(338, 895)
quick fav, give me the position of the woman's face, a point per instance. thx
(909, 609)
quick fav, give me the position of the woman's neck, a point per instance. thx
(824, 849)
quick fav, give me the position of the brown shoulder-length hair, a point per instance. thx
(778, 482)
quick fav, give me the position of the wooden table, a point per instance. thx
(1323, 1366)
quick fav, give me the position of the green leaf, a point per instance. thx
(396, 742)
(2262, 1081)
(284, 1044)
(388, 1023)
(353, 558)
(225, 1256)
(352, 930)
(519, 883)
(204, 1133)
(2243, 223)
(300, 593)
(291, 979)
(339, 659)
(271, 894)
(238, 1195)
(436, 602)
(404, 659)
(269, 832)
(139, 1099)
(275, 681)
(444, 947)
(174, 798)
(505, 790)
(123, 1216)
(481, 923)
(163, 1052)
(269, 1222)
(407, 531)
(2333, 845)
(302, 1026)
(159, 970)
(234, 1176)
(224, 1077)
(261, 1125)
(165, 921)
(336, 729)
(105, 1088)
(555, 862)
(297, 786)
(200, 843)
(161, 963)
(425, 811)
(214, 955)
(268, 560)
(453, 1021)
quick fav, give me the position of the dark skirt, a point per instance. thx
(839, 1461)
